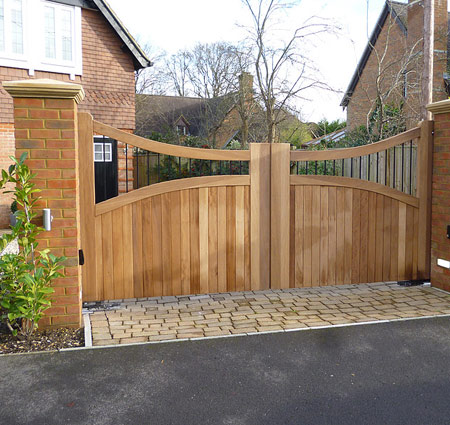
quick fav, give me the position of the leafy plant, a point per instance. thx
(25, 277)
(14, 207)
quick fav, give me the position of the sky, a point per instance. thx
(179, 24)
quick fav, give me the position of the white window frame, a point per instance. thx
(7, 57)
(34, 58)
(105, 151)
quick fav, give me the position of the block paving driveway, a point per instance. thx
(214, 315)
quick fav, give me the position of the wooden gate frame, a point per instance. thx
(270, 197)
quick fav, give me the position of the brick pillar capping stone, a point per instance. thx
(45, 120)
(440, 214)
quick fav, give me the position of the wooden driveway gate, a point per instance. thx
(298, 218)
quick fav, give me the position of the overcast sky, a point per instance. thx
(176, 24)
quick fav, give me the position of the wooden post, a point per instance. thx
(424, 177)
(87, 205)
(45, 122)
(280, 215)
(260, 215)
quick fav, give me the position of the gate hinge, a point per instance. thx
(80, 257)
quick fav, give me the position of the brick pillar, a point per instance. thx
(45, 119)
(440, 213)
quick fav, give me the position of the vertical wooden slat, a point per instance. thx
(247, 282)
(166, 242)
(379, 238)
(371, 242)
(185, 242)
(260, 215)
(331, 280)
(340, 235)
(315, 237)
(279, 215)
(157, 272)
(195, 243)
(222, 239)
(240, 238)
(99, 295)
(175, 247)
(107, 256)
(386, 238)
(307, 240)
(212, 240)
(348, 235)
(402, 242)
(128, 251)
(324, 259)
(364, 225)
(299, 207)
(424, 182)
(203, 238)
(231, 239)
(415, 243)
(292, 238)
(409, 241)
(137, 236)
(394, 240)
(356, 235)
(147, 246)
(85, 174)
(118, 251)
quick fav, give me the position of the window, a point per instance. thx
(11, 28)
(40, 35)
(102, 152)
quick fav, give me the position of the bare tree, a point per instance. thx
(152, 80)
(283, 73)
(177, 71)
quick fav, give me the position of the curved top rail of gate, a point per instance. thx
(161, 167)
(167, 149)
(387, 166)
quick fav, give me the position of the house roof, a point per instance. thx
(140, 59)
(399, 12)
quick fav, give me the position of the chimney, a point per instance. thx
(416, 25)
(246, 85)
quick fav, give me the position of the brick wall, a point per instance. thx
(46, 128)
(400, 47)
(108, 81)
(440, 213)
(365, 91)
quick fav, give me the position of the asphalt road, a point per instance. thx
(394, 373)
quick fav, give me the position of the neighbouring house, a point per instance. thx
(234, 116)
(216, 120)
(391, 67)
(70, 40)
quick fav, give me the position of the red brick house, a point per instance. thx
(70, 40)
(393, 62)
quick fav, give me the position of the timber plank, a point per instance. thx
(147, 246)
(299, 207)
(98, 289)
(118, 253)
(185, 243)
(324, 235)
(402, 242)
(371, 243)
(195, 241)
(137, 238)
(203, 214)
(175, 246)
(166, 242)
(387, 239)
(394, 240)
(240, 238)
(107, 256)
(157, 272)
(307, 245)
(315, 237)
(364, 236)
(340, 235)
(231, 239)
(128, 250)
(222, 239)
(356, 235)
(348, 235)
(212, 241)
(247, 245)
(379, 238)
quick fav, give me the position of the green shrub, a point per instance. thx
(25, 277)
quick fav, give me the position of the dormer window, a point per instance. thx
(40, 35)
(181, 130)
